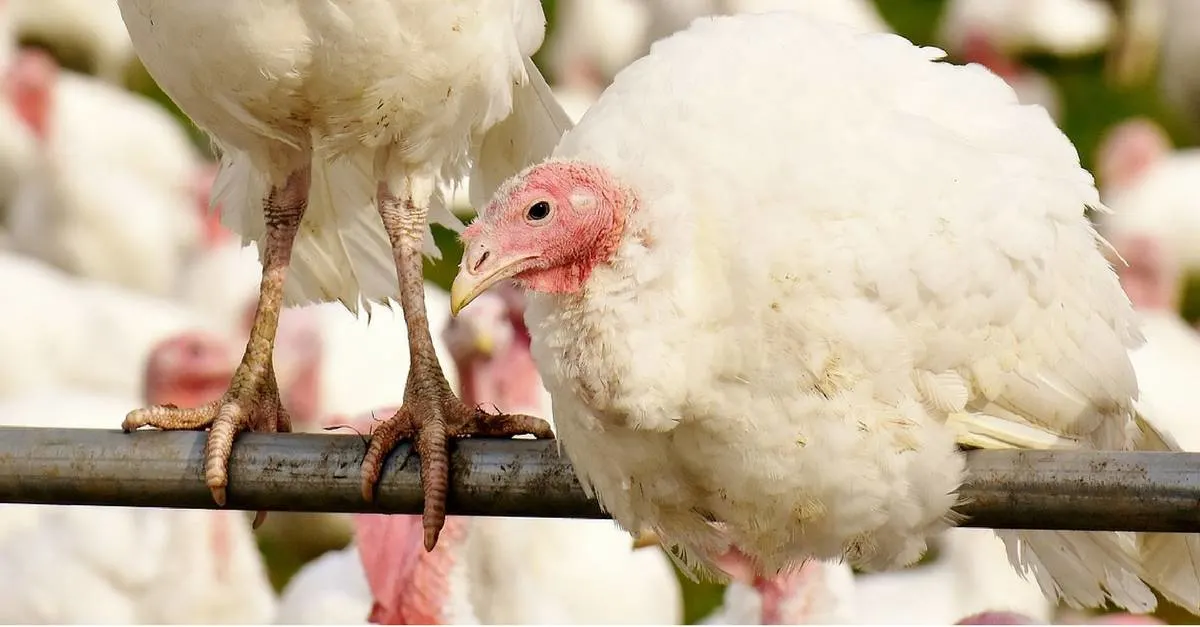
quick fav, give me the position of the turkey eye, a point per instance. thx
(538, 211)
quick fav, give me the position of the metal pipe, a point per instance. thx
(320, 473)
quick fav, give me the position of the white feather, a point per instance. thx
(382, 91)
(823, 220)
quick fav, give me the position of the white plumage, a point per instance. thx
(1166, 367)
(833, 258)
(87, 29)
(367, 120)
(61, 564)
(80, 334)
(970, 574)
(356, 375)
(513, 570)
(670, 16)
(1065, 28)
(557, 571)
(592, 41)
(336, 119)
(111, 195)
(330, 590)
(1159, 201)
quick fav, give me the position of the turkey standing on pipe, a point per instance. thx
(780, 270)
(333, 115)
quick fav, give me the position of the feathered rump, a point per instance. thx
(341, 252)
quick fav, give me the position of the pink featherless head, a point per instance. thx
(29, 86)
(188, 370)
(1128, 151)
(547, 228)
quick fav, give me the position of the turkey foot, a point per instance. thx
(431, 413)
(252, 400)
(431, 421)
(251, 404)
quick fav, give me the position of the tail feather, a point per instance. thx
(1171, 560)
(1086, 569)
(341, 252)
(520, 140)
(1083, 568)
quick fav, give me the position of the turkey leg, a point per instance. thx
(431, 414)
(252, 400)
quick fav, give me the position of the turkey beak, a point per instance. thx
(646, 539)
(480, 269)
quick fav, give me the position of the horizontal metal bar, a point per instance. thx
(320, 472)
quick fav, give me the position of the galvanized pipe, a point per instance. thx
(319, 472)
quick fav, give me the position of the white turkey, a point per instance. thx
(111, 194)
(330, 118)
(88, 30)
(781, 270)
(512, 570)
(970, 573)
(1151, 189)
(1031, 86)
(1168, 363)
(592, 41)
(574, 101)
(17, 142)
(1063, 28)
(130, 565)
(330, 590)
(80, 334)
(495, 570)
(670, 16)
(1161, 35)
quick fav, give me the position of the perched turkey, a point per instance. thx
(781, 270)
(511, 570)
(342, 124)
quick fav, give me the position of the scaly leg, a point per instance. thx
(431, 413)
(252, 400)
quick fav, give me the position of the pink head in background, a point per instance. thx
(489, 344)
(1153, 277)
(997, 618)
(194, 367)
(191, 370)
(490, 347)
(1128, 151)
(979, 47)
(299, 348)
(188, 370)
(29, 87)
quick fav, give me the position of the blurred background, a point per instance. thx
(104, 189)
